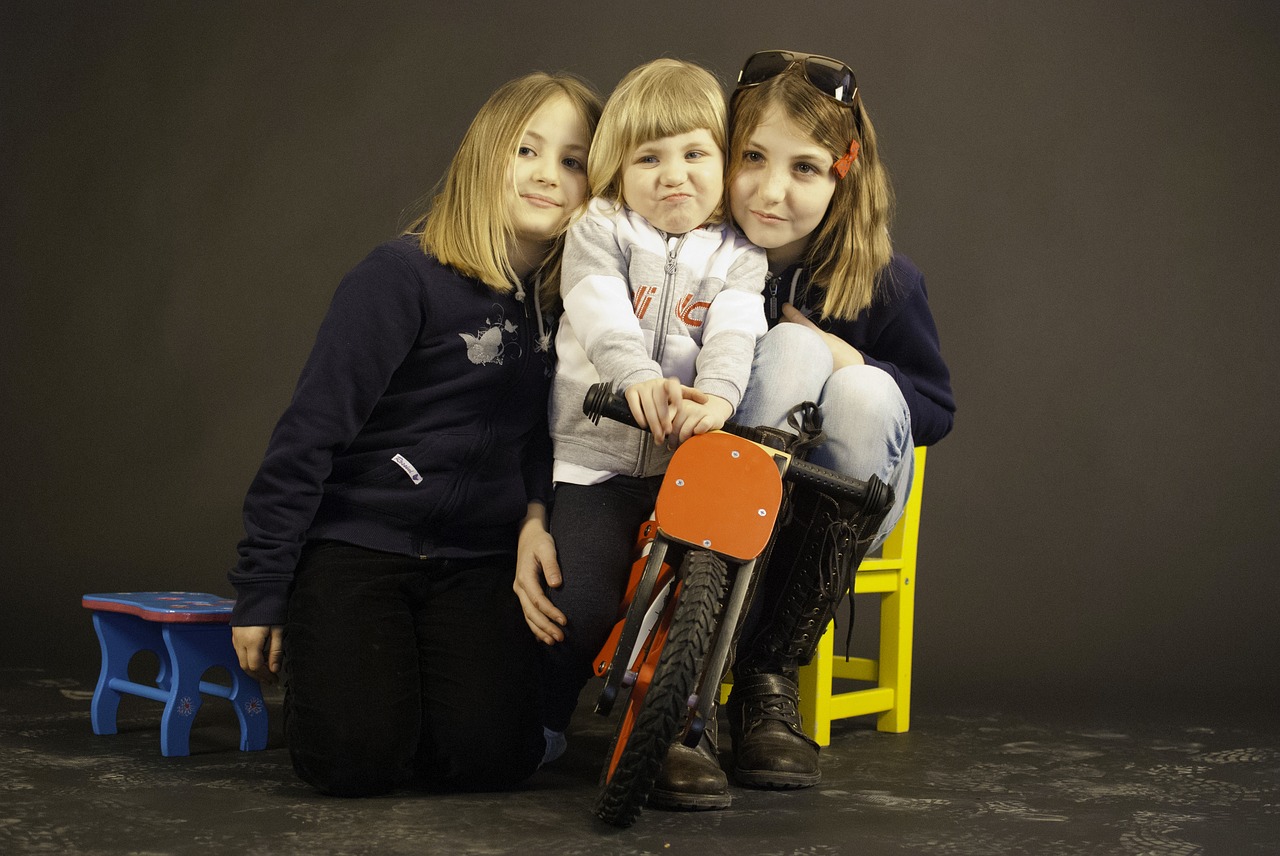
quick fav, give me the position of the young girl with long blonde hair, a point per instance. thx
(409, 477)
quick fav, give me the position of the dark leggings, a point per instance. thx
(595, 529)
(408, 672)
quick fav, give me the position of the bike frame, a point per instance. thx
(722, 493)
(716, 513)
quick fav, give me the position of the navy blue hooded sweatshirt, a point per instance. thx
(418, 427)
(896, 333)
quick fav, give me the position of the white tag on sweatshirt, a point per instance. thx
(408, 468)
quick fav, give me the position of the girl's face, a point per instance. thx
(782, 188)
(549, 176)
(675, 182)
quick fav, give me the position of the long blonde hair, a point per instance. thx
(469, 223)
(851, 246)
(661, 98)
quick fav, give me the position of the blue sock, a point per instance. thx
(556, 744)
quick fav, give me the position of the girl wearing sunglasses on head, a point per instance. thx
(409, 476)
(850, 329)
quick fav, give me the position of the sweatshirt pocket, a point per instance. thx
(408, 484)
(494, 490)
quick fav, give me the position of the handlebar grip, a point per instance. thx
(827, 481)
(601, 400)
(872, 495)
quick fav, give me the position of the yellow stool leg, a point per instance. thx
(897, 616)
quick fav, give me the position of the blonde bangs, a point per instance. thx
(661, 98)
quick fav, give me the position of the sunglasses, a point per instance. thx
(829, 76)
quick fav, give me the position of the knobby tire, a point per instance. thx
(662, 712)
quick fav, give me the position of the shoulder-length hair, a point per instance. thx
(661, 98)
(850, 247)
(469, 224)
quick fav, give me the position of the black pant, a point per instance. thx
(595, 528)
(405, 671)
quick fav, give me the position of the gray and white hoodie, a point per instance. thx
(640, 304)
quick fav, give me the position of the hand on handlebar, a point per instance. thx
(654, 405)
(873, 494)
(673, 412)
(699, 417)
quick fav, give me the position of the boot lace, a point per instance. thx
(772, 707)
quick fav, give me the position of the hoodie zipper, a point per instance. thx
(771, 283)
(668, 296)
(673, 246)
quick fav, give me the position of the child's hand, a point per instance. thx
(654, 405)
(700, 416)
(260, 651)
(535, 563)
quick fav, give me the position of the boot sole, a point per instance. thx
(774, 781)
(673, 801)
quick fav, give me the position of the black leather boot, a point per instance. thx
(691, 779)
(769, 748)
(813, 560)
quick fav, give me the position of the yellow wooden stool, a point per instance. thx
(892, 575)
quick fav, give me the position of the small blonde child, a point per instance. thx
(662, 299)
(658, 290)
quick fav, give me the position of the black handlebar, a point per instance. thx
(873, 495)
(603, 401)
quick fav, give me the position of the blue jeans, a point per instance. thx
(865, 417)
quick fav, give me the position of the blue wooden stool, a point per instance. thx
(190, 633)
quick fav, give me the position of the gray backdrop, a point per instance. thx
(1090, 188)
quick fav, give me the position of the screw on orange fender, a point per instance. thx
(721, 493)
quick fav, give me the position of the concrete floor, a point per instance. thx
(961, 782)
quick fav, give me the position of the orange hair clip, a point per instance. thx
(842, 166)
